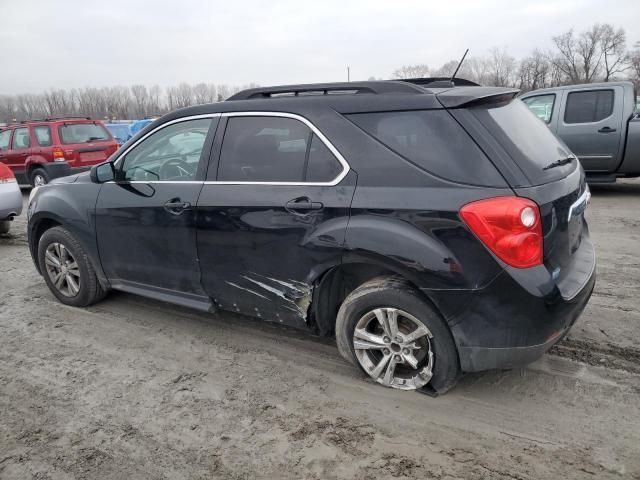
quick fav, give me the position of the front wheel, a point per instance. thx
(396, 337)
(67, 270)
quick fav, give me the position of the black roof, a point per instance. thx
(349, 97)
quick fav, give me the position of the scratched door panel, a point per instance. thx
(259, 258)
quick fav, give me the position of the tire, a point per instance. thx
(419, 369)
(39, 176)
(62, 245)
(5, 226)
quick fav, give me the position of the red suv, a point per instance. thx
(39, 150)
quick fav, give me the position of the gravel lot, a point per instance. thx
(137, 389)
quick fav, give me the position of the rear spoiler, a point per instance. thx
(470, 96)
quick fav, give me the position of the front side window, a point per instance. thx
(4, 139)
(589, 106)
(21, 138)
(170, 154)
(83, 133)
(541, 106)
(43, 135)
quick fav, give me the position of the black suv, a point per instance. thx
(432, 230)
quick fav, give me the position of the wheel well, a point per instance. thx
(335, 285)
(41, 227)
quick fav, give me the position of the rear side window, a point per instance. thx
(527, 140)
(433, 141)
(21, 138)
(274, 149)
(43, 135)
(4, 139)
(83, 133)
(541, 106)
(589, 106)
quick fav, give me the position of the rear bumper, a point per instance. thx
(474, 359)
(53, 169)
(10, 200)
(514, 320)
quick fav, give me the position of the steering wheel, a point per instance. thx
(180, 166)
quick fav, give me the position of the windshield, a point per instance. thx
(528, 141)
(83, 133)
(119, 130)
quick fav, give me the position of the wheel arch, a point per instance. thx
(337, 282)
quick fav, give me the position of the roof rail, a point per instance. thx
(440, 82)
(49, 119)
(338, 88)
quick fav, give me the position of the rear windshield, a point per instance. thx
(433, 141)
(528, 140)
(83, 133)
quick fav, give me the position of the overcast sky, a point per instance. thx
(75, 43)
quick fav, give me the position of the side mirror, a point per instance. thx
(105, 172)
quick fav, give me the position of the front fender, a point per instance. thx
(71, 206)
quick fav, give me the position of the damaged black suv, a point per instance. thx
(433, 230)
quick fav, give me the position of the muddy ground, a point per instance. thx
(137, 389)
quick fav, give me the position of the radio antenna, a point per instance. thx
(458, 67)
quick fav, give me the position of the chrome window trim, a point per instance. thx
(314, 129)
(345, 165)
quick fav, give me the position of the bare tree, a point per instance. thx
(502, 68)
(411, 71)
(613, 44)
(140, 100)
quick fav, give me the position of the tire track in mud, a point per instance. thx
(606, 355)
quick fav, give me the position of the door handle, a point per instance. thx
(176, 206)
(606, 130)
(303, 204)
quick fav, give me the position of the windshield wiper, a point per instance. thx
(92, 139)
(561, 162)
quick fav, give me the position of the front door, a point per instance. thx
(592, 126)
(273, 218)
(146, 219)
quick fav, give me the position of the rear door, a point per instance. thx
(273, 213)
(591, 125)
(146, 219)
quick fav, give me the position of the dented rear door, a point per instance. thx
(262, 243)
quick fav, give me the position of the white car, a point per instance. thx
(10, 198)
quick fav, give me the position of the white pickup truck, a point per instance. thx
(598, 121)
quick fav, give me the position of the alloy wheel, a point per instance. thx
(39, 180)
(394, 348)
(62, 269)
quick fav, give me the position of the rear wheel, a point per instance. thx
(395, 336)
(39, 177)
(67, 270)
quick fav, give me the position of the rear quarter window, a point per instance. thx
(433, 141)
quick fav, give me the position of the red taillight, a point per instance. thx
(6, 175)
(58, 153)
(509, 226)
